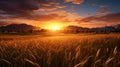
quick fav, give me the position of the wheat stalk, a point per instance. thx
(98, 52)
(6, 61)
(108, 61)
(31, 62)
(115, 51)
(83, 62)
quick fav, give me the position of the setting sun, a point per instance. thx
(54, 26)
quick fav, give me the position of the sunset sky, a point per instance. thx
(85, 13)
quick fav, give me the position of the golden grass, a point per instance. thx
(98, 50)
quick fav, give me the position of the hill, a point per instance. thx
(17, 28)
(106, 29)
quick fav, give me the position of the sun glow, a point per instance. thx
(54, 26)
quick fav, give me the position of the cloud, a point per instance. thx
(99, 21)
(25, 8)
(39, 18)
(3, 23)
(18, 7)
(102, 12)
(109, 18)
(47, 17)
(75, 1)
(40, 10)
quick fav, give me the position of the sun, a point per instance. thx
(54, 26)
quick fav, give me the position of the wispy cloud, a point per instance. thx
(25, 8)
(109, 18)
(75, 1)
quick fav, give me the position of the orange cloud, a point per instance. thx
(106, 20)
(110, 18)
(75, 1)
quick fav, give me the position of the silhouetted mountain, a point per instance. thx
(117, 27)
(106, 29)
(17, 28)
(75, 29)
(24, 28)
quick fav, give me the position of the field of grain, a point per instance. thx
(95, 50)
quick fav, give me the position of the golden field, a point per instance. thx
(80, 50)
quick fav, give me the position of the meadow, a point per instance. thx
(80, 50)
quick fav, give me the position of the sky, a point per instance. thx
(85, 13)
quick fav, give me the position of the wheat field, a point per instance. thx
(86, 50)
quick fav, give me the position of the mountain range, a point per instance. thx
(69, 29)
